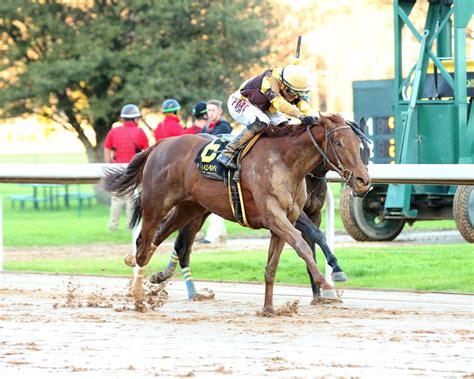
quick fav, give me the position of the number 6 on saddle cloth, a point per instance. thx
(206, 162)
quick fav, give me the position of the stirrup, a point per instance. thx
(227, 162)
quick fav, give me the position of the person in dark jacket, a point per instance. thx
(217, 124)
(216, 231)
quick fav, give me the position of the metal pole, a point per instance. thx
(330, 214)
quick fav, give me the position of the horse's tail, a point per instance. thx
(136, 211)
(123, 181)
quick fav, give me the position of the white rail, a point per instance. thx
(449, 174)
(380, 173)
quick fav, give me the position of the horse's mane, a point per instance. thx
(295, 130)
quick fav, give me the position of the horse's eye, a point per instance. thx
(338, 143)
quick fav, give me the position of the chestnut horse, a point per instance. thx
(308, 224)
(272, 182)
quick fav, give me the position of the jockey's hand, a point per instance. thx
(308, 120)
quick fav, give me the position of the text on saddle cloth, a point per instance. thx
(209, 167)
(206, 157)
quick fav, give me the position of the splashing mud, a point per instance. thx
(155, 295)
(289, 309)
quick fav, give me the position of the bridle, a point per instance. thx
(345, 173)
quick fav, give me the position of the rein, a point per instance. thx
(343, 172)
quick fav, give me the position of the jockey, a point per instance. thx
(269, 98)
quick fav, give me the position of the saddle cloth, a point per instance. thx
(206, 160)
(209, 167)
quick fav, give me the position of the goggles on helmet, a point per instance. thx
(291, 92)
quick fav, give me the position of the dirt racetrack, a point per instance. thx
(83, 327)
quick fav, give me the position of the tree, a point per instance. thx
(79, 64)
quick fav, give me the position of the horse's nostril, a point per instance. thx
(361, 181)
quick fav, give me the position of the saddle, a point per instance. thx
(209, 167)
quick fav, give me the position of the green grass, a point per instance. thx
(44, 227)
(430, 268)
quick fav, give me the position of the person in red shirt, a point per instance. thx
(121, 144)
(200, 118)
(171, 125)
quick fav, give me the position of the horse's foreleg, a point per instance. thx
(313, 235)
(303, 225)
(337, 274)
(169, 270)
(274, 253)
(281, 226)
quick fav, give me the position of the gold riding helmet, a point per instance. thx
(296, 80)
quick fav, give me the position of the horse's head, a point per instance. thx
(345, 150)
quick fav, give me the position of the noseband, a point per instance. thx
(343, 172)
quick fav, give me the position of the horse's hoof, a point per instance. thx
(316, 300)
(267, 312)
(130, 260)
(158, 277)
(202, 297)
(339, 276)
(329, 294)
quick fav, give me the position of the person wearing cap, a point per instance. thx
(200, 118)
(171, 125)
(272, 97)
(120, 146)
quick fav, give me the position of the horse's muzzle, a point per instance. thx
(360, 185)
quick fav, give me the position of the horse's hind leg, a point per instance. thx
(145, 250)
(182, 244)
(305, 230)
(152, 217)
(187, 236)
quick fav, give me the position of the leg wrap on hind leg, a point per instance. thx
(171, 267)
(188, 278)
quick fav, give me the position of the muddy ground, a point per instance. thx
(85, 327)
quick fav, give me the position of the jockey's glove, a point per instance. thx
(308, 120)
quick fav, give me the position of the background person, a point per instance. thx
(200, 118)
(216, 231)
(217, 124)
(121, 144)
(171, 125)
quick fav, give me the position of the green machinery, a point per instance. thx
(431, 121)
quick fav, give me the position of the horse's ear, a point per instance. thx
(362, 124)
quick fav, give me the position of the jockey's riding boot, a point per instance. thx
(227, 155)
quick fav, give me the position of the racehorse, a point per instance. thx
(272, 183)
(308, 224)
